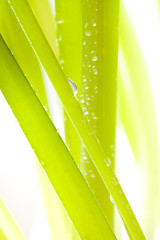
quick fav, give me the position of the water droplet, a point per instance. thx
(86, 113)
(60, 21)
(94, 58)
(128, 207)
(56, 42)
(43, 164)
(86, 87)
(135, 223)
(94, 24)
(94, 117)
(88, 33)
(73, 85)
(108, 162)
(90, 171)
(90, 132)
(95, 71)
(82, 101)
(45, 108)
(92, 175)
(61, 61)
(111, 199)
(115, 181)
(60, 38)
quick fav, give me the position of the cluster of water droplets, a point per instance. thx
(90, 72)
(89, 173)
(88, 98)
(59, 22)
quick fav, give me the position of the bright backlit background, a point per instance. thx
(19, 181)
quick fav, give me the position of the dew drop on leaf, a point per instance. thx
(60, 38)
(95, 71)
(43, 164)
(60, 21)
(92, 175)
(108, 162)
(115, 181)
(111, 199)
(88, 33)
(73, 86)
(94, 58)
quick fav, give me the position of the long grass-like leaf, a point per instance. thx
(138, 116)
(98, 97)
(69, 42)
(9, 230)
